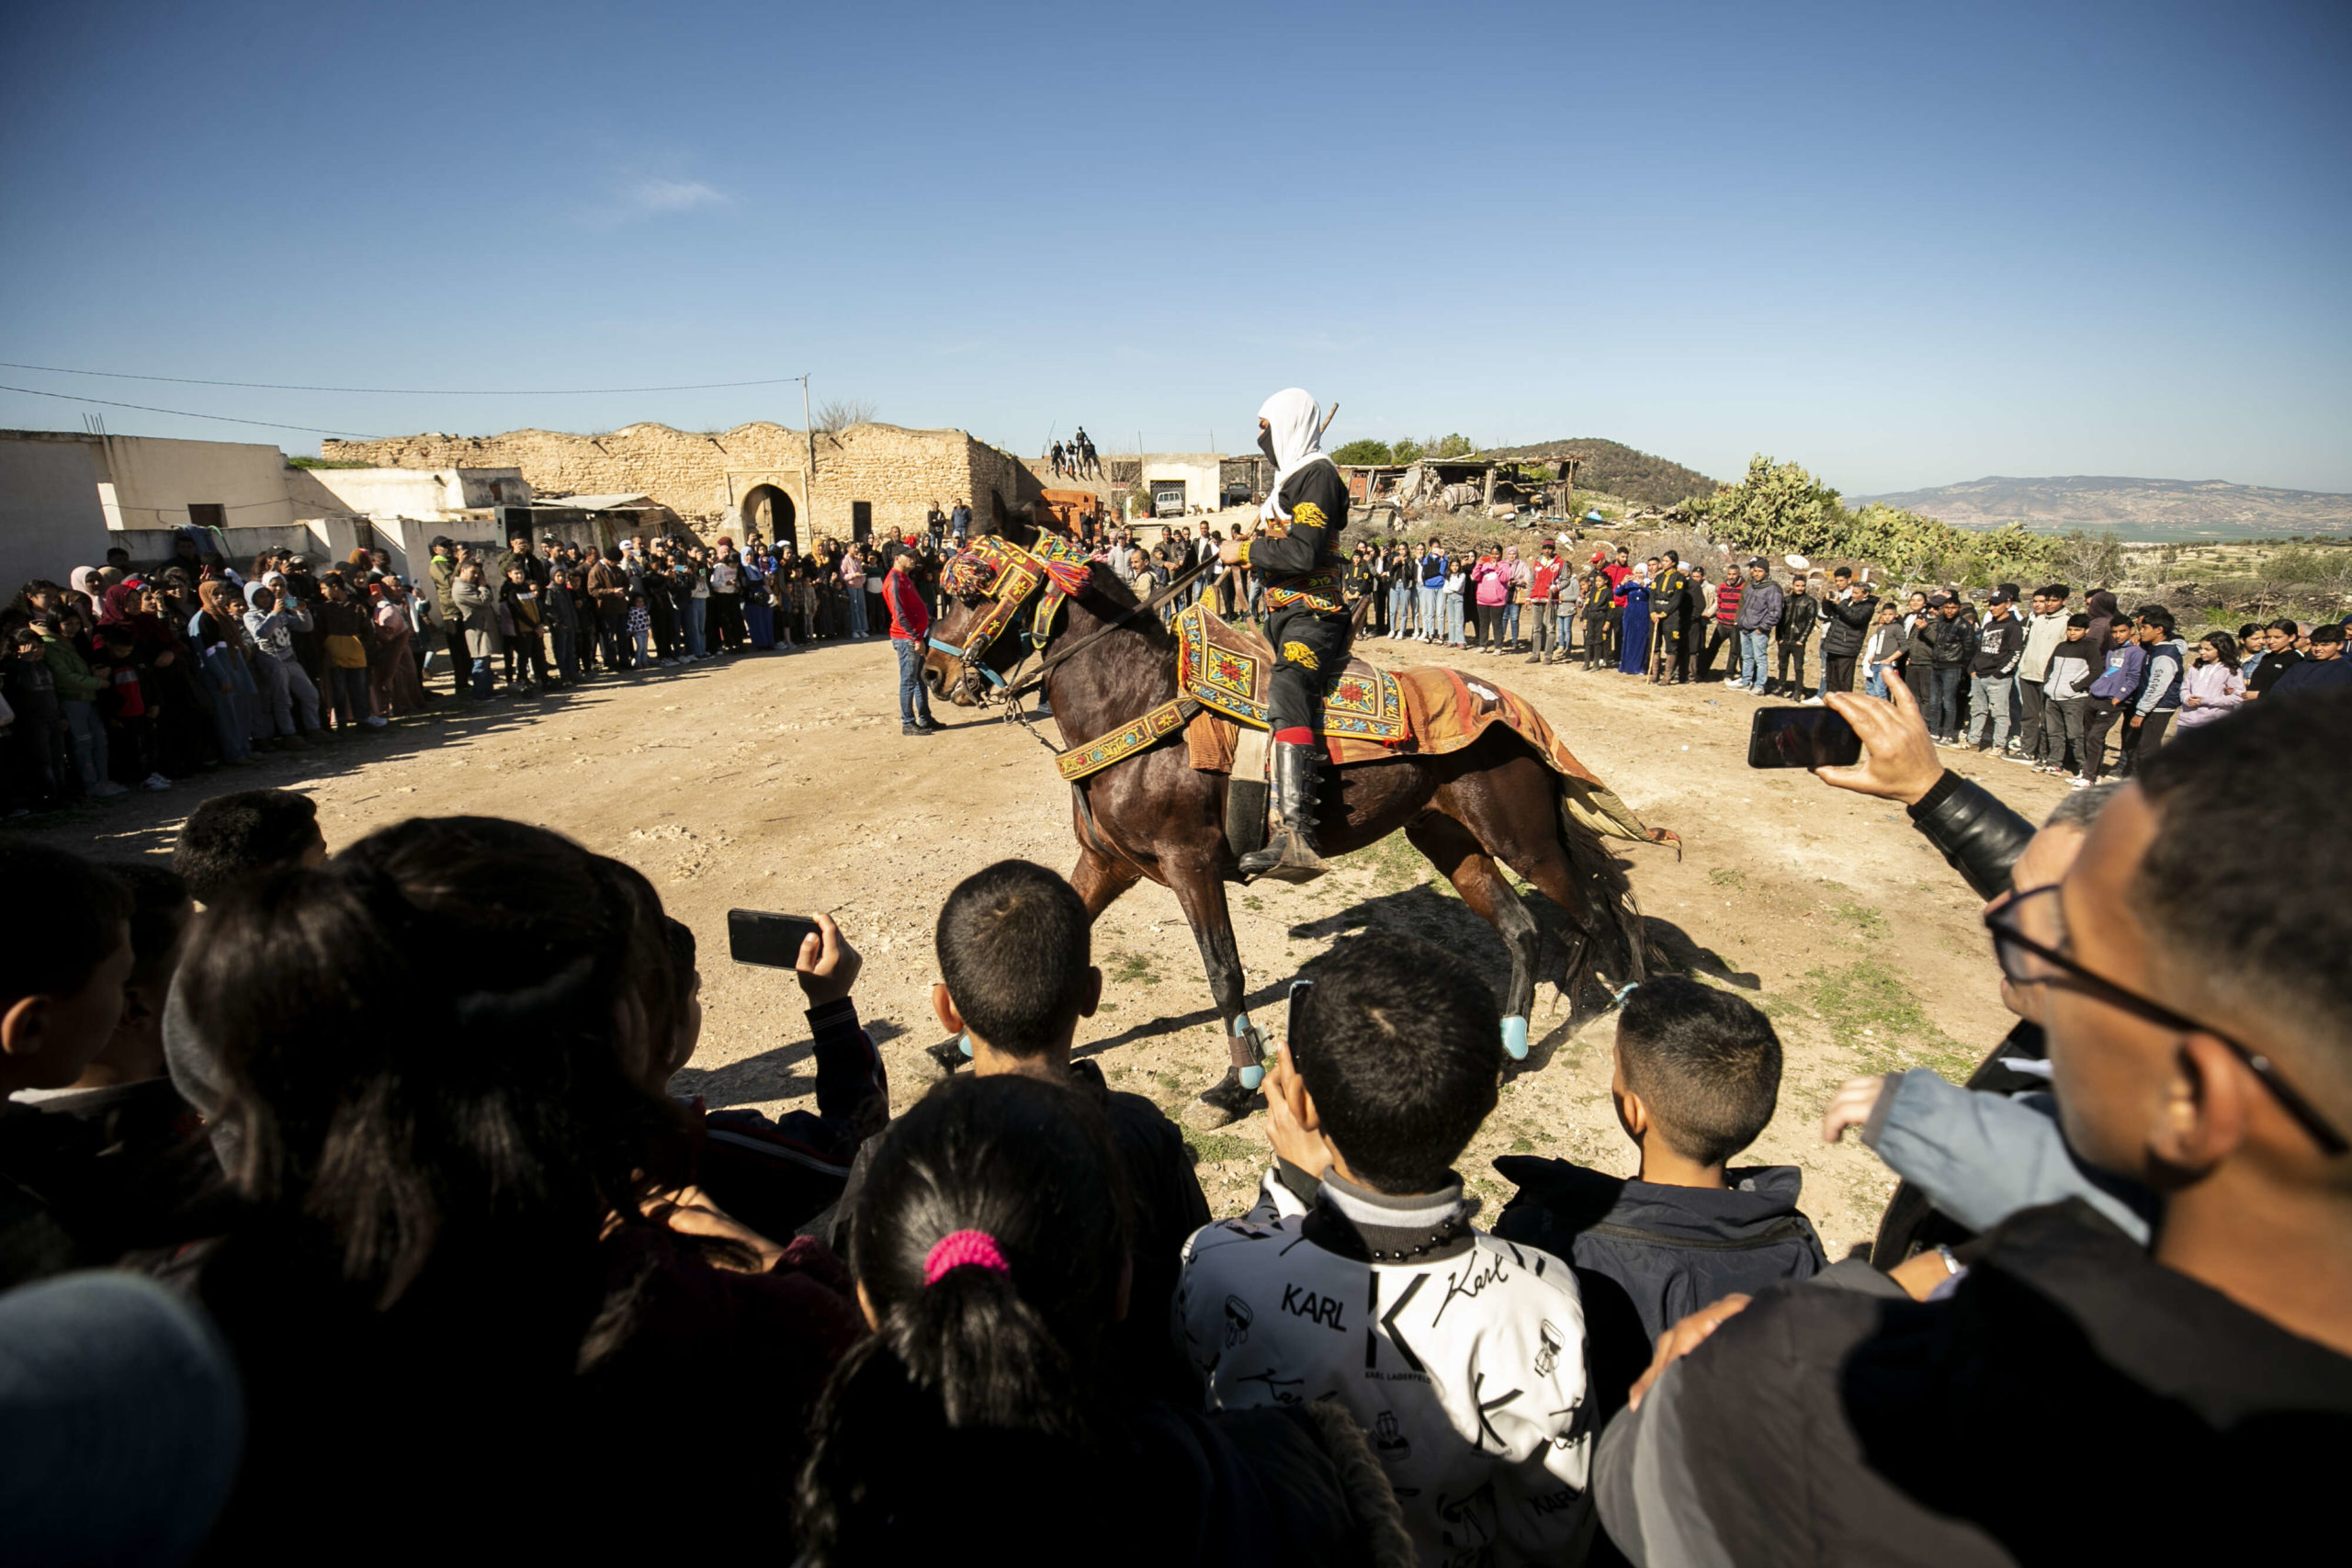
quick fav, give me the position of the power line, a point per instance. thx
(187, 413)
(402, 391)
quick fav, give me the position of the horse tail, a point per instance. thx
(1619, 952)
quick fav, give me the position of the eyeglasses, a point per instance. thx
(2034, 960)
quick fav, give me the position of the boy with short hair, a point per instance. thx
(1016, 974)
(118, 1137)
(1460, 1354)
(2066, 694)
(2157, 699)
(61, 994)
(233, 838)
(1698, 1074)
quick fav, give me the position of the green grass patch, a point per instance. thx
(1866, 921)
(1132, 969)
(1394, 862)
(1876, 1014)
(1728, 876)
(1215, 1148)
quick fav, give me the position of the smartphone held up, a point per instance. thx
(1801, 738)
(771, 940)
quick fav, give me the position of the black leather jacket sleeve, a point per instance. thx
(1975, 833)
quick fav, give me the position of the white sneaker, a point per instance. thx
(106, 789)
(1811, 703)
(374, 721)
(155, 782)
(2078, 782)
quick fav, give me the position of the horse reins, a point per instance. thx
(1014, 689)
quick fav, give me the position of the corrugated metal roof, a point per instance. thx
(594, 503)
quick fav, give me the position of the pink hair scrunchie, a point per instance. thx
(959, 1249)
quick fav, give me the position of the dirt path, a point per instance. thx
(782, 783)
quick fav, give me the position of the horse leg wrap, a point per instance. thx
(1246, 1048)
(1515, 1039)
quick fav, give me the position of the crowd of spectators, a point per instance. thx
(129, 677)
(2022, 677)
(343, 1199)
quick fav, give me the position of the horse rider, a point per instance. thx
(1307, 620)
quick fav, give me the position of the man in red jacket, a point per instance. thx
(910, 624)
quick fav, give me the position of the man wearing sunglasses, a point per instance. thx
(2191, 1401)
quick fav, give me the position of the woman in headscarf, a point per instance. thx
(120, 603)
(392, 679)
(217, 632)
(1634, 659)
(83, 579)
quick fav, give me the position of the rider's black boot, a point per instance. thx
(1289, 854)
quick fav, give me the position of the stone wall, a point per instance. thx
(711, 480)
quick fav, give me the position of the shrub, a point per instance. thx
(1781, 509)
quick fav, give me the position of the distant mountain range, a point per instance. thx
(2143, 508)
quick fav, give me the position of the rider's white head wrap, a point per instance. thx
(1295, 424)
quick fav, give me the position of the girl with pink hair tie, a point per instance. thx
(989, 1245)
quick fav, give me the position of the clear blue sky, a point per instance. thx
(1906, 245)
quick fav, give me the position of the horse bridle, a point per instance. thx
(1008, 575)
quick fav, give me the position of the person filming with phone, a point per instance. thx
(2198, 1048)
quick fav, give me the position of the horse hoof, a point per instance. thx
(1224, 1102)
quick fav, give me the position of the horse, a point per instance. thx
(1108, 661)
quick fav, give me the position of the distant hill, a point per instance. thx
(1615, 468)
(2146, 508)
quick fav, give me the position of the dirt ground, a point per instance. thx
(781, 782)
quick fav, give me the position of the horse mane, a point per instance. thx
(1108, 597)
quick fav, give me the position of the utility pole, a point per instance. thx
(809, 481)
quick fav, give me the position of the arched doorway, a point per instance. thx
(768, 512)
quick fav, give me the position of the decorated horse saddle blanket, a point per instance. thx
(1228, 670)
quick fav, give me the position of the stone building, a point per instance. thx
(870, 479)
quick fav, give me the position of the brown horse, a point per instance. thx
(1154, 815)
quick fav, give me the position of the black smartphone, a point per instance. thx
(1801, 738)
(1298, 989)
(775, 941)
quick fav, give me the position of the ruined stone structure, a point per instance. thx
(871, 478)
